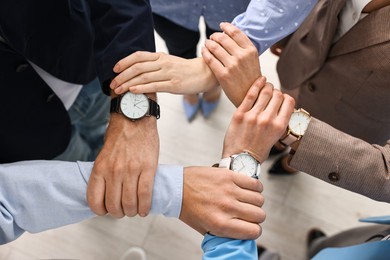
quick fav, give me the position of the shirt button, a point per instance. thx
(22, 67)
(354, 16)
(311, 87)
(334, 176)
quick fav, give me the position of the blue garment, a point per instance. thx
(379, 250)
(40, 195)
(267, 21)
(89, 118)
(226, 248)
(186, 13)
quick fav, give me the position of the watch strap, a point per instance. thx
(154, 108)
(289, 139)
(115, 102)
(225, 162)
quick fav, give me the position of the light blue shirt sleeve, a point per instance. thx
(40, 195)
(225, 248)
(266, 22)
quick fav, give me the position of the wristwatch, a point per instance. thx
(299, 121)
(135, 106)
(243, 163)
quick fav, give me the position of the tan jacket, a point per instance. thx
(347, 86)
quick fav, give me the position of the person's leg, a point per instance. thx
(180, 42)
(89, 117)
(348, 238)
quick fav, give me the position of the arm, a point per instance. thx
(41, 195)
(257, 124)
(234, 61)
(342, 160)
(123, 175)
(267, 22)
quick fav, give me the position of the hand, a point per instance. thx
(259, 121)
(234, 61)
(222, 202)
(147, 72)
(122, 178)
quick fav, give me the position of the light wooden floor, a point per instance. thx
(293, 204)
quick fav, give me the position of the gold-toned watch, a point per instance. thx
(297, 126)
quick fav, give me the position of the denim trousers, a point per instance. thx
(89, 116)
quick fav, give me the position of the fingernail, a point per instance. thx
(116, 68)
(113, 84)
(142, 214)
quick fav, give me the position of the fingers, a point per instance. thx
(226, 43)
(250, 197)
(136, 57)
(95, 195)
(247, 183)
(145, 190)
(286, 108)
(162, 86)
(137, 73)
(275, 103)
(129, 196)
(114, 198)
(252, 95)
(239, 229)
(219, 52)
(211, 61)
(238, 36)
(264, 98)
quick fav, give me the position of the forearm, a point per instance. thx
(267, 22)
(40, 195)
(342, 160)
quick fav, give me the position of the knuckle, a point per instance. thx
(238, 116)
(212, 47)
(252, 95)
(233, 32)
(255, 232)
(130, 212)
(114, 210)
(224, 75)
(253, 51)
(145, 191)
(137, 54)
(218, 225)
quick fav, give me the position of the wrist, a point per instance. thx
(207, 77)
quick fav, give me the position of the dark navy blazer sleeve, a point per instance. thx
(121, 28)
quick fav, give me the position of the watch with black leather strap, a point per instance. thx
(297, 126)
(242, 163)
(135, 106)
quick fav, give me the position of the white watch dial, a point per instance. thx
(299, 122)
(134, 106)
(245, 164)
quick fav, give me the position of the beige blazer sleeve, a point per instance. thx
(340, 159)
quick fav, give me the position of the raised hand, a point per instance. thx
(222, 202)
(148, 72)
(122, 178)
(259, 121)
(234, 60)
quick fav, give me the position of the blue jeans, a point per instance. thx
(89, 116)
